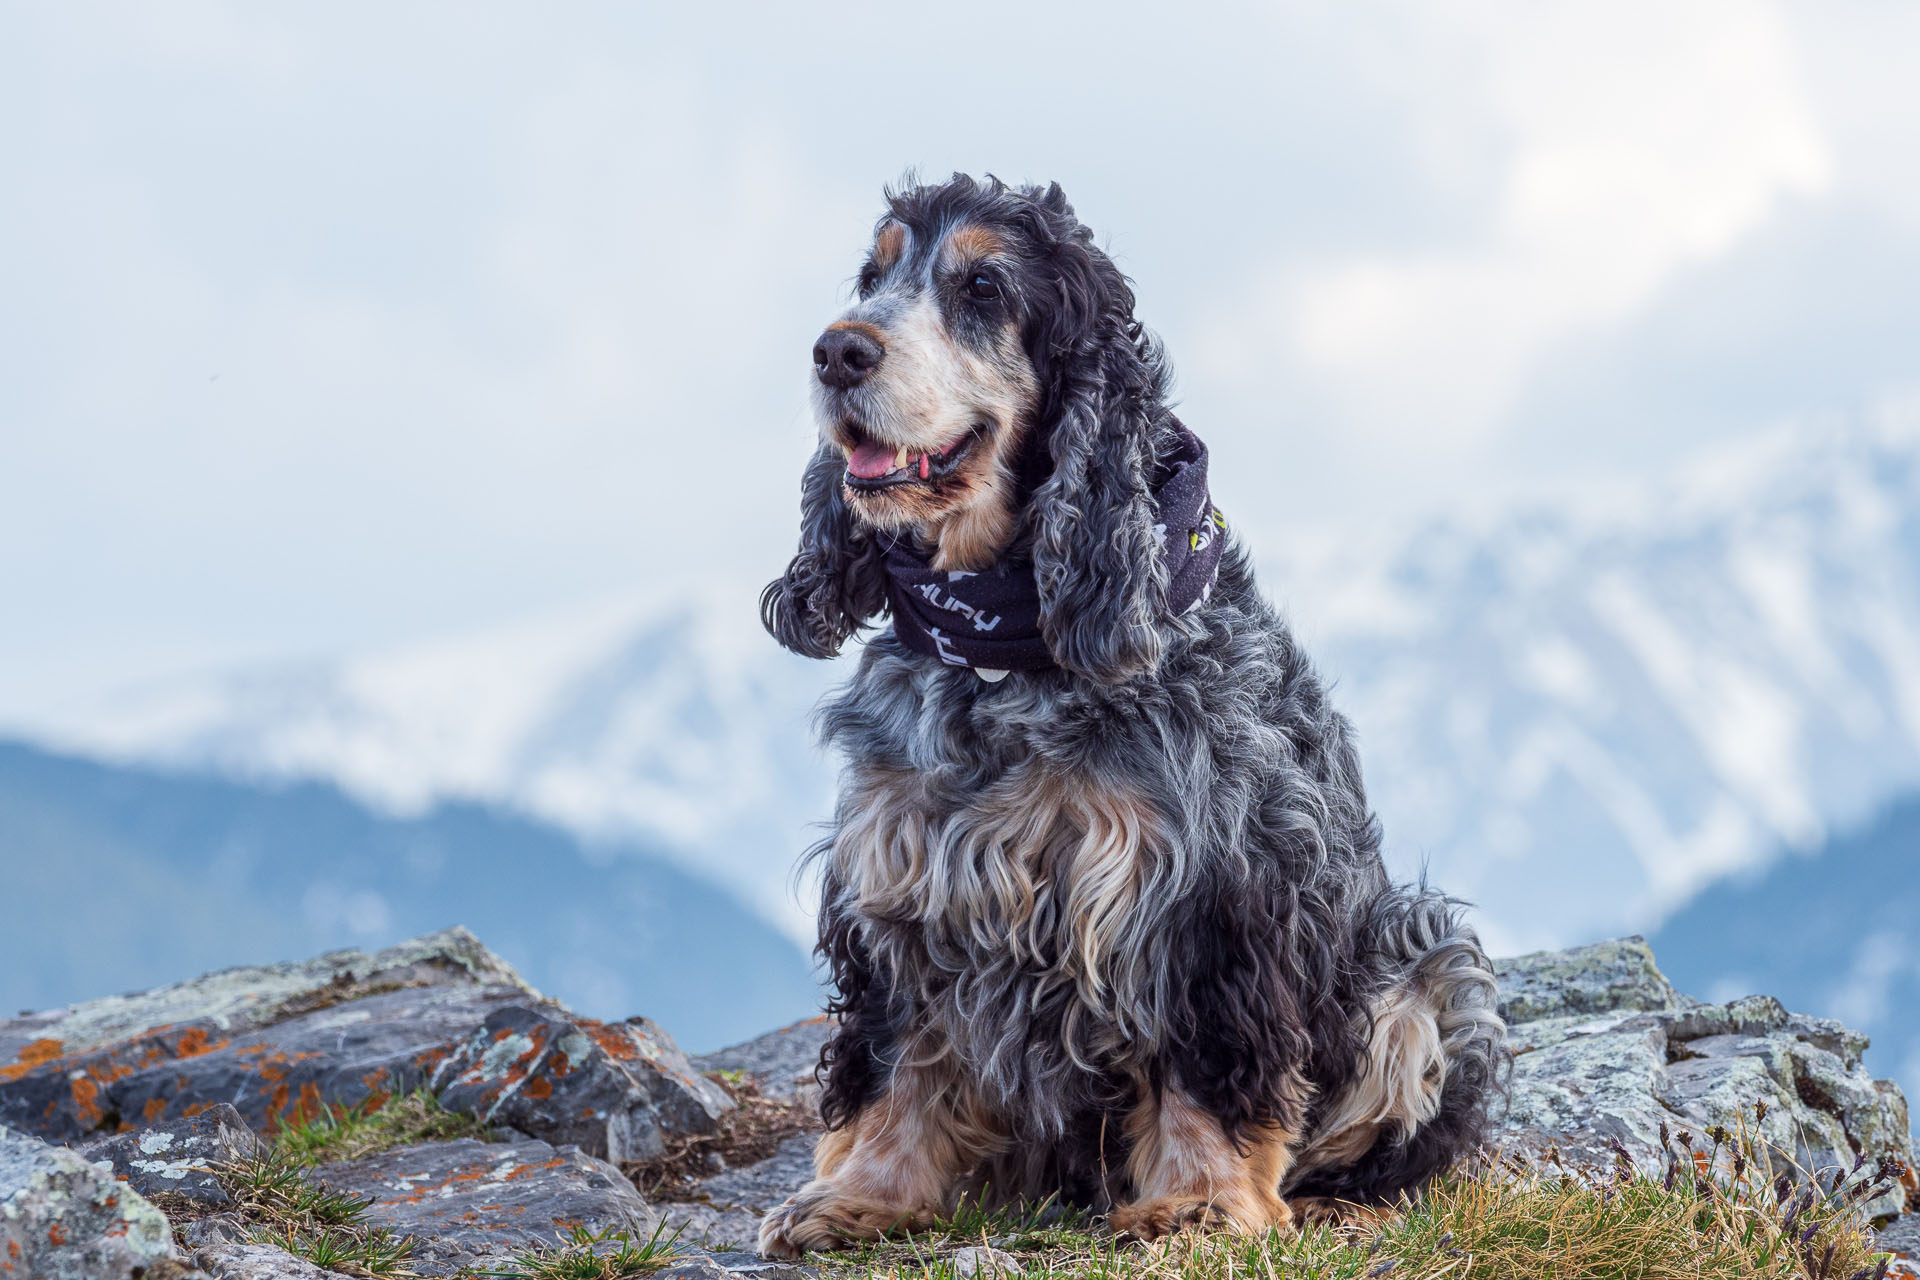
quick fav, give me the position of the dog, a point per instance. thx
(1103, 903)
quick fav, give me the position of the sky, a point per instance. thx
(327, 328)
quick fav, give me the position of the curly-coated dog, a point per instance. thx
(1103, 901)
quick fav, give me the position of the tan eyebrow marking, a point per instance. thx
(973, 242)
(888, 245)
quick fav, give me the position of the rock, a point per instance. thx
(467, 1200)
(981, 1260)
(701, 1264)
(251, 1261)
(215, 1228)
(1605, 1049)
(285, 1070)
(62, 1218)
(162, 1084)
(780, 1063)
(619, 1091)
(239, 999)
(275, 1042)
(1606, 977)
(179, 1157)
(725, 1210)
(1902, 1238)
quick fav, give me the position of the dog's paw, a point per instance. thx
(1318, 1210)
(821, 1218)
(1149, 1220)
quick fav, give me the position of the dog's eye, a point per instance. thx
(982, 286)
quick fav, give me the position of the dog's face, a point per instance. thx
(989, 392)
(925, 385)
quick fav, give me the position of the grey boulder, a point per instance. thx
(465, 1201)
(620, 1091)
(251, 1261)
(1606, 1050)
(62, 1218)
(179, 1157)
(276, 1042)
(780, 1064)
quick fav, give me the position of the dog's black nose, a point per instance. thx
(844, 357)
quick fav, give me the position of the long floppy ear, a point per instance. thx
(1100, 566)
(837, 582)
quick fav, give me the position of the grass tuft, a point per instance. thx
(376, 1253)
(273, 1186)
(611, 1254)
(350, 1133)
(275, 1195)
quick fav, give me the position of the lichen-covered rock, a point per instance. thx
(1607, 977)
(619, 1091)
(180, 1156)
(465, 1201)
(284, 1070)
(1605, 1049)
(275, 1041)
(780, 1063)
(236, 1000)
(162, 1084)
(62, 1218)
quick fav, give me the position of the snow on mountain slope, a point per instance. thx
(1580, 722)
(1575, 721)
(677, 722)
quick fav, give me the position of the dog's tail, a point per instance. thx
(1436, 1058)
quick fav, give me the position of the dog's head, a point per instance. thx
(987, 392)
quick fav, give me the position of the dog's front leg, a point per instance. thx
(1186, 1173)
(898, 1164)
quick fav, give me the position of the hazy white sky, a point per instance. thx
(326, 327)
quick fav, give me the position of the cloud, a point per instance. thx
(1639, 138)
(316, 340)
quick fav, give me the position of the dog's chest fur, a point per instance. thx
(1003, 881)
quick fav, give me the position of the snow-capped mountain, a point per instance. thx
(1575, 720)
(1580, 721)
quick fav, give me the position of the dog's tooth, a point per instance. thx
(900, 458)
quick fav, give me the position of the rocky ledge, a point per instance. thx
(122, 1120)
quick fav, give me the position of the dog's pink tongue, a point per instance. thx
(871, 460)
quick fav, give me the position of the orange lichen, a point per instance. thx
(194, 1042)
(310, 1106)
(36, 1053)
(86, 1100)
(616, 1042)
(155, 1108)
(539, 1087)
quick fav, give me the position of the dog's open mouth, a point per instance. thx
(872, 464)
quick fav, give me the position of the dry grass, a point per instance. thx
(749, 1133)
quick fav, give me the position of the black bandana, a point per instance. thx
(991, 620)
